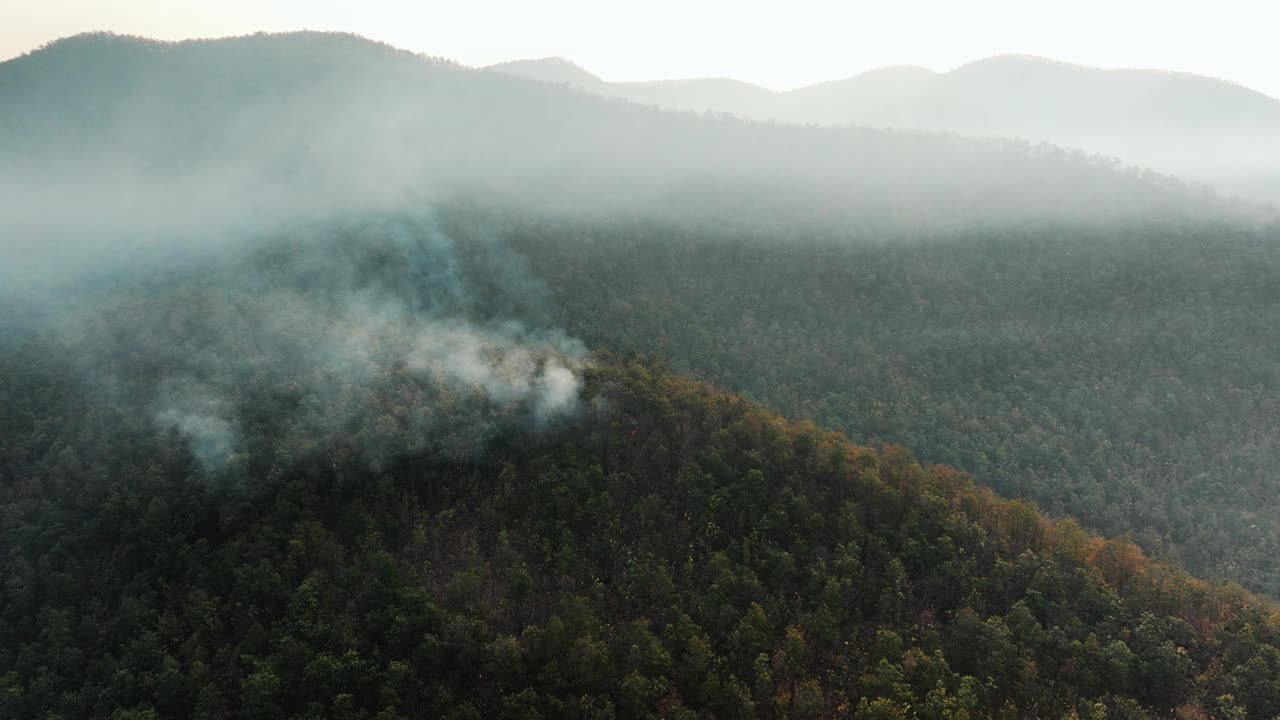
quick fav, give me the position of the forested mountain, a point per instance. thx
(309, 406)
(268, 127)
(1127, 378)
(1194, 127)
(207, 511)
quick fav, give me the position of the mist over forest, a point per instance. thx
(245, 133)
(340, 381)
(1198, 128)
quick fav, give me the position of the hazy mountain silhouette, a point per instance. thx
(552, 70)
(198, 135)
(835, 102)
(1199, 128)
(702, 95)
(695, 95)
(1193, 126)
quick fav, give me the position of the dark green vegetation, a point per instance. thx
(673, 552)
(278, 441)
(1126, 376)
(212, 504)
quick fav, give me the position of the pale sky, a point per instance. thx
(779, 44)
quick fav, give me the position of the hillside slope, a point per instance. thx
(355, 471)
(671, 552)
(1126, 377)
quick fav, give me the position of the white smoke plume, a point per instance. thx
(367, 334)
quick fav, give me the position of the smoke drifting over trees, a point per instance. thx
(203, 217)
(208, 139)
(295, 420)
(367, 333)
(173, 165)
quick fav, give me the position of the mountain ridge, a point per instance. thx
(1194, 126)
(519, 65)
(125, 122)
(547, 69)
(671, 552)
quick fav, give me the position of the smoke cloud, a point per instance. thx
(225, 234)
(200, 414)
(365, 334)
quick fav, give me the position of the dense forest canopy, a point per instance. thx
(1127, 377)
(308, 407)
(663, 550)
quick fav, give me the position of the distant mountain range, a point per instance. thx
(195, 135)
(1199, 128)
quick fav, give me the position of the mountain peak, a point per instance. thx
(548, 69)
(898, 70)
(1017, 62)
(92, 46)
